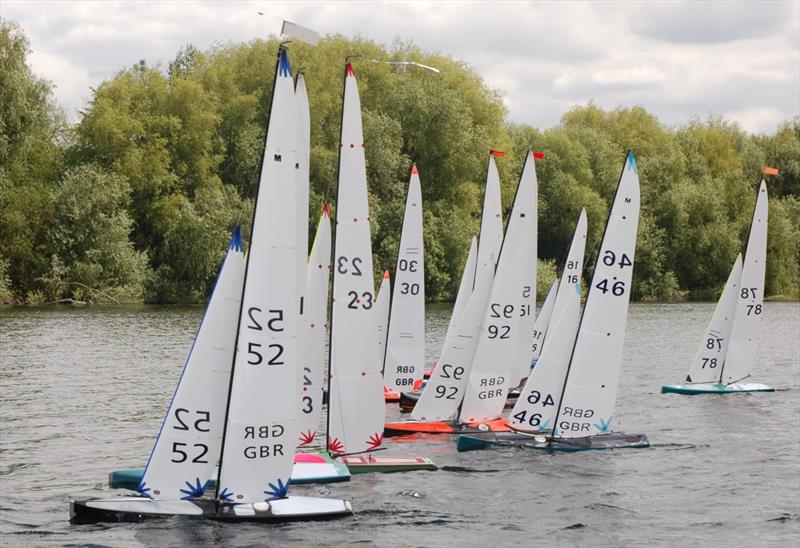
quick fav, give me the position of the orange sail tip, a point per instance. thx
(326, 209)
(497, 153)
(538, 155)
(348, 69)
(769, 170)
(385, 274)
(414, 170)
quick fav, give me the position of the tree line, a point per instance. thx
(135, 202)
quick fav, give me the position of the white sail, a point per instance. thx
(405, 346)
(356, 410)
(749, 305)
(540, 329)
(261, 429)
(301, 226)
(185, 454)
(536, 407)
(315, 319)
(445, 389)
(466, 285)
(491, 235)
(708, 361)
(587, 407)
(507, 331)
(382, 305)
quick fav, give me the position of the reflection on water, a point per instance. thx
(84, 391)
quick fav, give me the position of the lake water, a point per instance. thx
(83, 392)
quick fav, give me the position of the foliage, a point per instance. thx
(138, 199)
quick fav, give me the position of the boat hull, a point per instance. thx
(137, 509)
(485, 440)
(360, 464)
(308, 468)
(714, 388)
(408, 400)
(442, 427)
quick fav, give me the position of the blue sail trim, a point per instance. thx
(284, 68)
(237, 243)
(632, 163)
(196, 490)
(226, 495)
(143, 489)
(603, 425)
(279, 491)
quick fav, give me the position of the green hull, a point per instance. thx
(363, 465)
(712, 388)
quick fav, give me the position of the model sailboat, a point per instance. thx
(585, 404)
(253, 433)
(726, 353)
(404, 362)
(471, 379)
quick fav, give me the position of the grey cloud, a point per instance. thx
(711, 22)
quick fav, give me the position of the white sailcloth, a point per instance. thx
(261, 429)
(490, 237)
(405, 346)
(301, 226)
(466, 285)
(382, 305)
(445, 389)
(507, 331)
(315, 318)
(590, 395)
(707, 364)
(749, 305)
(356, 411)
(536, 408)
(540, 327)
(185, 454)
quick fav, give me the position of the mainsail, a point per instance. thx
(356, 409)
(590, 394)
(261, 428)
(405, 346)
(750, 301)
(507, 327)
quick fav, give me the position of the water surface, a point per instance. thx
(83, 392)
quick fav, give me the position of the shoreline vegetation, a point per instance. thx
(135, 202)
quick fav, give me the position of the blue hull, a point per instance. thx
(472, 442)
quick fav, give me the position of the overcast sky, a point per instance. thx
(679, 60)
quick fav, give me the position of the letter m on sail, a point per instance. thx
(627, 200)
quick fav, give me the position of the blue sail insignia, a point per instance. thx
(196, 490)
(143, 489)
(226, 495)
(603, 425)
(632, 163)
(237, 244)
(279, 491)
(284, 68)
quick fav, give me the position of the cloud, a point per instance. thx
(677, 59)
